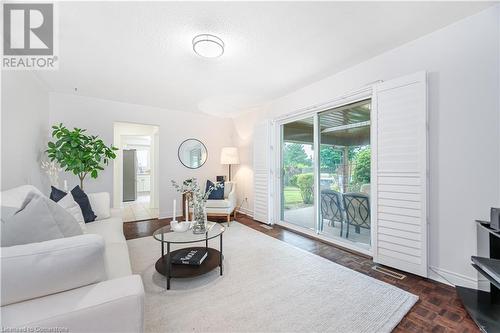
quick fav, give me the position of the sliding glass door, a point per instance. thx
(342, 209)
(345, 173)
(297, 181)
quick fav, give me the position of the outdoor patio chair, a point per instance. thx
(357, 209)
(331, 208)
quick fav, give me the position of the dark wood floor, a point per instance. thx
(438, 309)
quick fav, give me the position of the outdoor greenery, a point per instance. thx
(361, 174)
(305, 183)
(78, 152)
(298, 179)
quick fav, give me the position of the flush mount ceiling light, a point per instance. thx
(208, 46)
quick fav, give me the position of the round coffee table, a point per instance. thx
(166, 236)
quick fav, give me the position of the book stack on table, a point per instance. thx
(190, 256)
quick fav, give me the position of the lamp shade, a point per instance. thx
(229, 155)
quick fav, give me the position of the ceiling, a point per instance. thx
(141, 53)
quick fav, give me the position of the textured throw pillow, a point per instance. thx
(39, 219)
(83, 201)
(74, 209)
(56, 194)
(217, 194)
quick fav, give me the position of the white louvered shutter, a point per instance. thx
(399, 173)
(262, 162)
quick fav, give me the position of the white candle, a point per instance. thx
(187, 210)
(175, 204)
(65, 185)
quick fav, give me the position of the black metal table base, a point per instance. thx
(165, 267)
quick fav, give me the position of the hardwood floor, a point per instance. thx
(438, 308)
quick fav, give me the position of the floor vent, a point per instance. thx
(265, 226)
(388, 272)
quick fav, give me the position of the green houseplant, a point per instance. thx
(78, 152)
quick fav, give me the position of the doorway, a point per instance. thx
(136, 171)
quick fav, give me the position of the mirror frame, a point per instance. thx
(179, 153)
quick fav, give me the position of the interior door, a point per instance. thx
(399, 168)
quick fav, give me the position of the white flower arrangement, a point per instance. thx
(52, 169)
(198, 198)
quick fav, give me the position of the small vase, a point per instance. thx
(199, 217)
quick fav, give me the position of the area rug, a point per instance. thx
(267, 286)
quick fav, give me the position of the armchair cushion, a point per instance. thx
(228, 188)
(218, 203)
(39, 269)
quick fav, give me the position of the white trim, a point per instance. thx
(245, 211)
(316, 171)
(345, 244)
(336, 102)
(452, 278)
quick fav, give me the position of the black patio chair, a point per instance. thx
(357, 209)
(331, 208)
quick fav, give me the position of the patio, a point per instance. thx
(304, 217)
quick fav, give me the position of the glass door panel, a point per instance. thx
(345, 173)
(297, 169)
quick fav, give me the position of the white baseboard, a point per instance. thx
(452, 278)
(245, 211)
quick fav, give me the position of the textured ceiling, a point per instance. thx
(141, 53)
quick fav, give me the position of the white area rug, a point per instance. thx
(267, 286)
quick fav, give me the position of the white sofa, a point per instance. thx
(224, 207)
(82, 283)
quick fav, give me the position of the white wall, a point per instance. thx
(25, 118)
(462, 61)
(98, 116)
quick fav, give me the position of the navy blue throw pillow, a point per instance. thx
(56, 194)
(83, 201)
(217, 194)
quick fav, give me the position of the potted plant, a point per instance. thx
(78, 152)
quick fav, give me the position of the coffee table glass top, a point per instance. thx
(166, 235)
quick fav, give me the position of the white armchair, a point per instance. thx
(225, 207)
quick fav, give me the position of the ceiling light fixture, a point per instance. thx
(208, 46)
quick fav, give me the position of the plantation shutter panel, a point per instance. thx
(399, 174)
(262, 162)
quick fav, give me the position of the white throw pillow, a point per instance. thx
(100, 203)
(72, 207)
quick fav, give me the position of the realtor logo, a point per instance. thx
(28, 36)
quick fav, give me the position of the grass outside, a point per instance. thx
(292, 197)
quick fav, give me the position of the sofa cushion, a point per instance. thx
(218, 203)
(56, 194)
(39, 269)
(116, 254)
(38, 219)
(83, 200)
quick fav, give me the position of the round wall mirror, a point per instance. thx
(192, 153)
